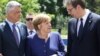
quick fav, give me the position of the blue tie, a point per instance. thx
(15, 34)
(31, 32)
(80, 28)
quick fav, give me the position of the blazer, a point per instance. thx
(8, 46)
(38, 47)
(88, 44)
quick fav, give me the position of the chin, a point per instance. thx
(49, 31)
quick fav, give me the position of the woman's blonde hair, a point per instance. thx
(39, 18)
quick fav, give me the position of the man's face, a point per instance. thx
(29, 19)
(29, 23)
(72, 11)
(15, 14)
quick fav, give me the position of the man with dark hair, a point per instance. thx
(83, 30)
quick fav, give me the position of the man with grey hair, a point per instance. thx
(12, 33)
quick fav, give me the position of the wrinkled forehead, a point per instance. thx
(29, 16)
(16, 8)
(45, 20)
(69, 3)
(69, 6)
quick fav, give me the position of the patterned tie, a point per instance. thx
(15, 34)
(80, 28)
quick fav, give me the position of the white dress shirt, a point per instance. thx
(84, 19)
(16, 27)
(31, 30)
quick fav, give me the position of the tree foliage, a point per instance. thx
(27, 7)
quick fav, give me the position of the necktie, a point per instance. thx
(15, 34)
(80, 28)
(31, 32)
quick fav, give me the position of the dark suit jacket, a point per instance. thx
(8, 46)
(54, 45)
(88, 44)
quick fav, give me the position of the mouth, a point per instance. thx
(50, 28)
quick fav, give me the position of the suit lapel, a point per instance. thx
(74, 28)
(9, 32)
(86, 26)
(21, 33)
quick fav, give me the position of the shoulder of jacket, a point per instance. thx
(2, 25)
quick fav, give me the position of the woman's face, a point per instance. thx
(45, 27)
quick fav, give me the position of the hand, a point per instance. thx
(1, 54)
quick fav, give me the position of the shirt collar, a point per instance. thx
(31, 30)
(10, 23)
(87, 11)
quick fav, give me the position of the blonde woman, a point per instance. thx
(44, 42)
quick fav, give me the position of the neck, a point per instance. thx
(30, 28)
(82, 13)
(11, 19)
(42, 35)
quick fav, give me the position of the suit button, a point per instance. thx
(44, 45)
(44, 51)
